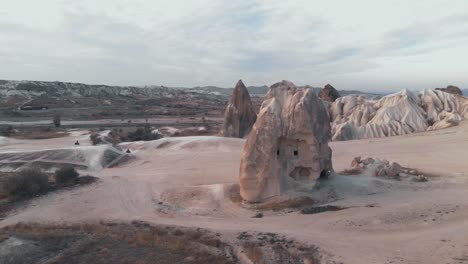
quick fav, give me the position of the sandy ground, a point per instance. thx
(23, 145)
(183, 181)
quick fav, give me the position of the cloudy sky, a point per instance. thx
(360, 44)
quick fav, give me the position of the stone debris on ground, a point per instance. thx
(386, 169)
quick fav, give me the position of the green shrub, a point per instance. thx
(66, 175)
(27, 183)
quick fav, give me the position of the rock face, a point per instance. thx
(451, 89)
(329, 94)
(288, 145)
(443, 109)
(240, 115)
(354, 117)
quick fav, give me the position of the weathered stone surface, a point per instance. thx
(288, 145)
(394, 170)
(240, 115)
(329, 94)
(356, 161)
(354, 117)
(451, 89)
(382, 168)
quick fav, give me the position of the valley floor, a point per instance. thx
(187, 182)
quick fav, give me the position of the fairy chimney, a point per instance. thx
(239, 116)
(288, 145)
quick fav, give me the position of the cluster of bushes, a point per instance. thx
(27, 183)
(33, 182)
(117, 136)
(143, 134)
(66, 175)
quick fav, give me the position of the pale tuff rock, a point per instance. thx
(240, 115)
(396, 114)
(385, 169)
(354, 117)
(444, 109)
(288, 145)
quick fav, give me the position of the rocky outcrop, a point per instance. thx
(354, 117)
(443, 109)
(288, 145)
(384, 169)
(396, 114)
(239, 116)
(329, 94)
(451, 89)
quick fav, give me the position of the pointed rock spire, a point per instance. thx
(240, 115)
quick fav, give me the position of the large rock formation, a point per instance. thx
(329, 94)
(396, 114)
(443, 109)
(451, 89)
(354, 117)
(288, 144)
(240, 115)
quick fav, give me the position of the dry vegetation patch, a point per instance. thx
(267, 247)
(137, 242)
(350, 172)
(18, 188)
(140, 242)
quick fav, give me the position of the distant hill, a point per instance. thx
(368, 95)
(260, 91)
(253, 90)
(40, 93)
(465, 92)
(38, 88)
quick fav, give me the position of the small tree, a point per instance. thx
(57, 120)
(66, 175)
(27, 183)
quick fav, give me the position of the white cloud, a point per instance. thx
(360, 44)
